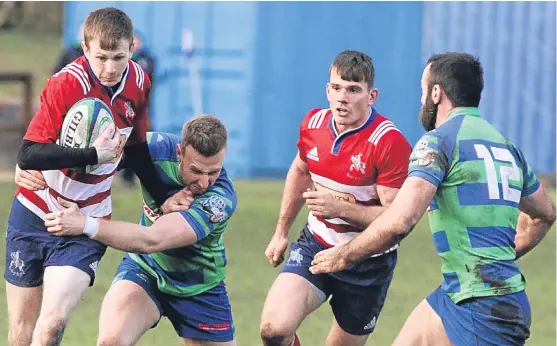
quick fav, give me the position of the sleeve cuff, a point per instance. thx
(426, 176)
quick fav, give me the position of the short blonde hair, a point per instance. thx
(109, 25)
(206, 134)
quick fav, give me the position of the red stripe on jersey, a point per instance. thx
(95, 199)
(85, 178)
(33, 198)
(319, 239)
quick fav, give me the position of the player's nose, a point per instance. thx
(204, 182)
(343, 96)
(110, 66)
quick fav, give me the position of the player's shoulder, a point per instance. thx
(73, 78)
(162, 146)
(450, 129)
(316, 118)
(137, 77)
(225, 182)
(383, 130)
(223, 189)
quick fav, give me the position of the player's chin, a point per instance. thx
(341, 115)
(109, 82)
(197, 190)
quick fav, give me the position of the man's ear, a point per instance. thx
(436, 93)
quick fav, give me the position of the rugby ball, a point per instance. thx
(83, 124)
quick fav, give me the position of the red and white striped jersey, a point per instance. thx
(351, 165)
(128, 104)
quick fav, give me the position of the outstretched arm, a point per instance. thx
(169, 231)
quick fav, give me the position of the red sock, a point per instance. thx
(296, 341)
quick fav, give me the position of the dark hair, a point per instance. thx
(109, 25)
(460, 75)
(206, 134)
(354, 66)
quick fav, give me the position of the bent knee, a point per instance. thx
(51, 328)
(114, 340)
(273, 334)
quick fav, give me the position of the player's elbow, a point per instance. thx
(404, 226)
(24, 157)
(150, 244)
(550, 217)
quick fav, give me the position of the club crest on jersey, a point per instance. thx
(130, 114)
(357, 164)
(423, 155)
(216, 207)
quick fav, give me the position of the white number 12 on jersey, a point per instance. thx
(513, 173)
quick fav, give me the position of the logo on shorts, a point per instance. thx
(17, 264)
(371, 324)
(94, 266)
(142, 276)
(296, 257)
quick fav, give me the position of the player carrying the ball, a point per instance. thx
(46, 276)
(176, 263)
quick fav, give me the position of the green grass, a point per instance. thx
(250, 276)
(23, 51)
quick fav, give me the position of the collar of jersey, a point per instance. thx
(371, 117)
(473, 111)
(108, 89)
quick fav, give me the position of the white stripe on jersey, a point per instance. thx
(317, 119)
(337, 221)
(86, 87)
(381, 130)
(79, 69)
(99, 210)
(139, 75)
(72, 189)
(29, 205)
(329, 235)
(361, 193)
(333, 238)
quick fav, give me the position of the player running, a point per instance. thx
(474, 182)
(44, 273)
(350, 165)
(176, 265)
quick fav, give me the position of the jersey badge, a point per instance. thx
(357, 164)
(216, 207)
(130, 114)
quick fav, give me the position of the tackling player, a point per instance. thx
(474, 182)
(176, 265)
(350, 165)
(44, 273)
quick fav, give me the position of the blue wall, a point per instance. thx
(263, 65)
(515, 42)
